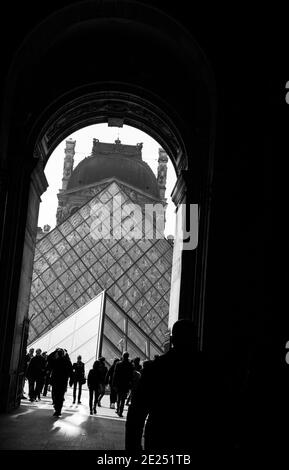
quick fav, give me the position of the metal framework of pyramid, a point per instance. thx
(71, 267)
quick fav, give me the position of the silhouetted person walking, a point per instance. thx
(26, 362)
(136, 375)
(50, 362)
(35, 375)
(178, 396)
(46, 378)
(78, 378)
(93, 379)
(109, 381)
(60, 373)
(137, 368)
(122, 380)
(102, 375)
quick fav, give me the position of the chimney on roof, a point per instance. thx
(162, 173)
(68, 161)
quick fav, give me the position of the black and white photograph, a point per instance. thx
(137, 142)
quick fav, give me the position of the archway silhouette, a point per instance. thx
(89, 63)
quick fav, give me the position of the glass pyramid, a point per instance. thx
(72, 266)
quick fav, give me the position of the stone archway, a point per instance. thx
(116, 107)
(179, 112)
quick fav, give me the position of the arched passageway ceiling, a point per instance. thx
(153, 58)
(107, 106)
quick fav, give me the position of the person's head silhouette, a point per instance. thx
(125, 356)
(60, 352)
(184, 336)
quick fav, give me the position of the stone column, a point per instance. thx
(189, 265)
(19, 213)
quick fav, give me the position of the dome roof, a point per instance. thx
(128, 169)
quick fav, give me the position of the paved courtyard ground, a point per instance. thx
(33, 427)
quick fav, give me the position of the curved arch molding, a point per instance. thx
(99, 107)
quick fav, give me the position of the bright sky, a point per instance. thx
(83, 137)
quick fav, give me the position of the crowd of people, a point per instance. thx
(155, 416)
(55, 372)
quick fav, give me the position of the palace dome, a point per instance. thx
(123, 162)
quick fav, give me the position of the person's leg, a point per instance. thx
(128, 398)
(46, 382)
(121, 403)
(96, 394)
(42, 385)
(90, 400)
(101, 393)
(58, 399)
(74, 391)
(31, 383)
(118, 400)
(61, 398)
(79, 391)
(38, 387)
(113, 397)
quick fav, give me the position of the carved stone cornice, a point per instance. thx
(100, 107)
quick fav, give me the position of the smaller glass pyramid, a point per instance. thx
(79, 334)
(99, 328)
